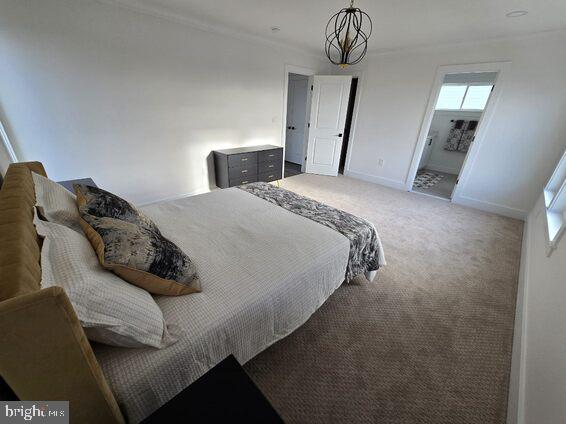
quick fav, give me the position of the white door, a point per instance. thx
(329, 106)
(296, 118)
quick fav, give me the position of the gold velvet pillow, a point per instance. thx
(131, 245)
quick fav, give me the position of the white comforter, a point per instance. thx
(263, 271)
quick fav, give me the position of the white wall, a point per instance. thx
(528, 130)
(445, 160)
(538, 380)
(134, 101)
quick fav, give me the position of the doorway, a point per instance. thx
(296, 123)
(457, 115)
(348, 126)
(318, 115)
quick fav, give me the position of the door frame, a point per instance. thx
(301, 70)
(487, 115)
(354, 125)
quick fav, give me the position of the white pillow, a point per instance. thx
(56, 203)
(110, 310)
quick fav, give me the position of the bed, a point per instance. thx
(264, 268)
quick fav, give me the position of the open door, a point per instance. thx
(328, 109)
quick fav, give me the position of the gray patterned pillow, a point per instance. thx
(101, 203)
(132, 246)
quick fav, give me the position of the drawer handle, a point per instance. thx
(271, 155)
(244, 171)
(270, 176)
(244, 182)
(270, 166)
(244, 159)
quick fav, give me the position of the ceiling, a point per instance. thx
(396, 23)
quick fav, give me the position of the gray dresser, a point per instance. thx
(234, 167)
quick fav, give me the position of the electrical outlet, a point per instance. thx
(380, 162)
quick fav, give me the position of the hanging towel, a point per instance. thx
(455, 135)
(468, 136)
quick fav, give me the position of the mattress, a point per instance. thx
(264, 271)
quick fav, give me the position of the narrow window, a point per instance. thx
(555, 203)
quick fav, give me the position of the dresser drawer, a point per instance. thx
(241, 165)
(270, 176)
(245, 180)
(243, 172)
(269, 167)
(242, 159)
(271, 155)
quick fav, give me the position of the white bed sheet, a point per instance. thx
(263, 270)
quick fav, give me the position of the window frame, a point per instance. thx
(554, 198)
(467, 85)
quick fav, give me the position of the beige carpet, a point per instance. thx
(428, 342)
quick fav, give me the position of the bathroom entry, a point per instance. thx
(461, 102)
(297, 96)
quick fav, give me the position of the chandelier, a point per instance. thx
(347, 34)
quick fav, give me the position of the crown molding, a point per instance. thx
(244, 36)
(215, 29)
(413, 48)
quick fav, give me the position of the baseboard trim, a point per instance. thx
(491, 207)
(180, 196)
(399, 185)
(460, 200)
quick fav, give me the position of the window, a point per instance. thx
(555, 203)
(451, 96)
(476, 97)
(463, 96)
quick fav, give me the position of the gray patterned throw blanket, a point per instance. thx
(366, 252)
